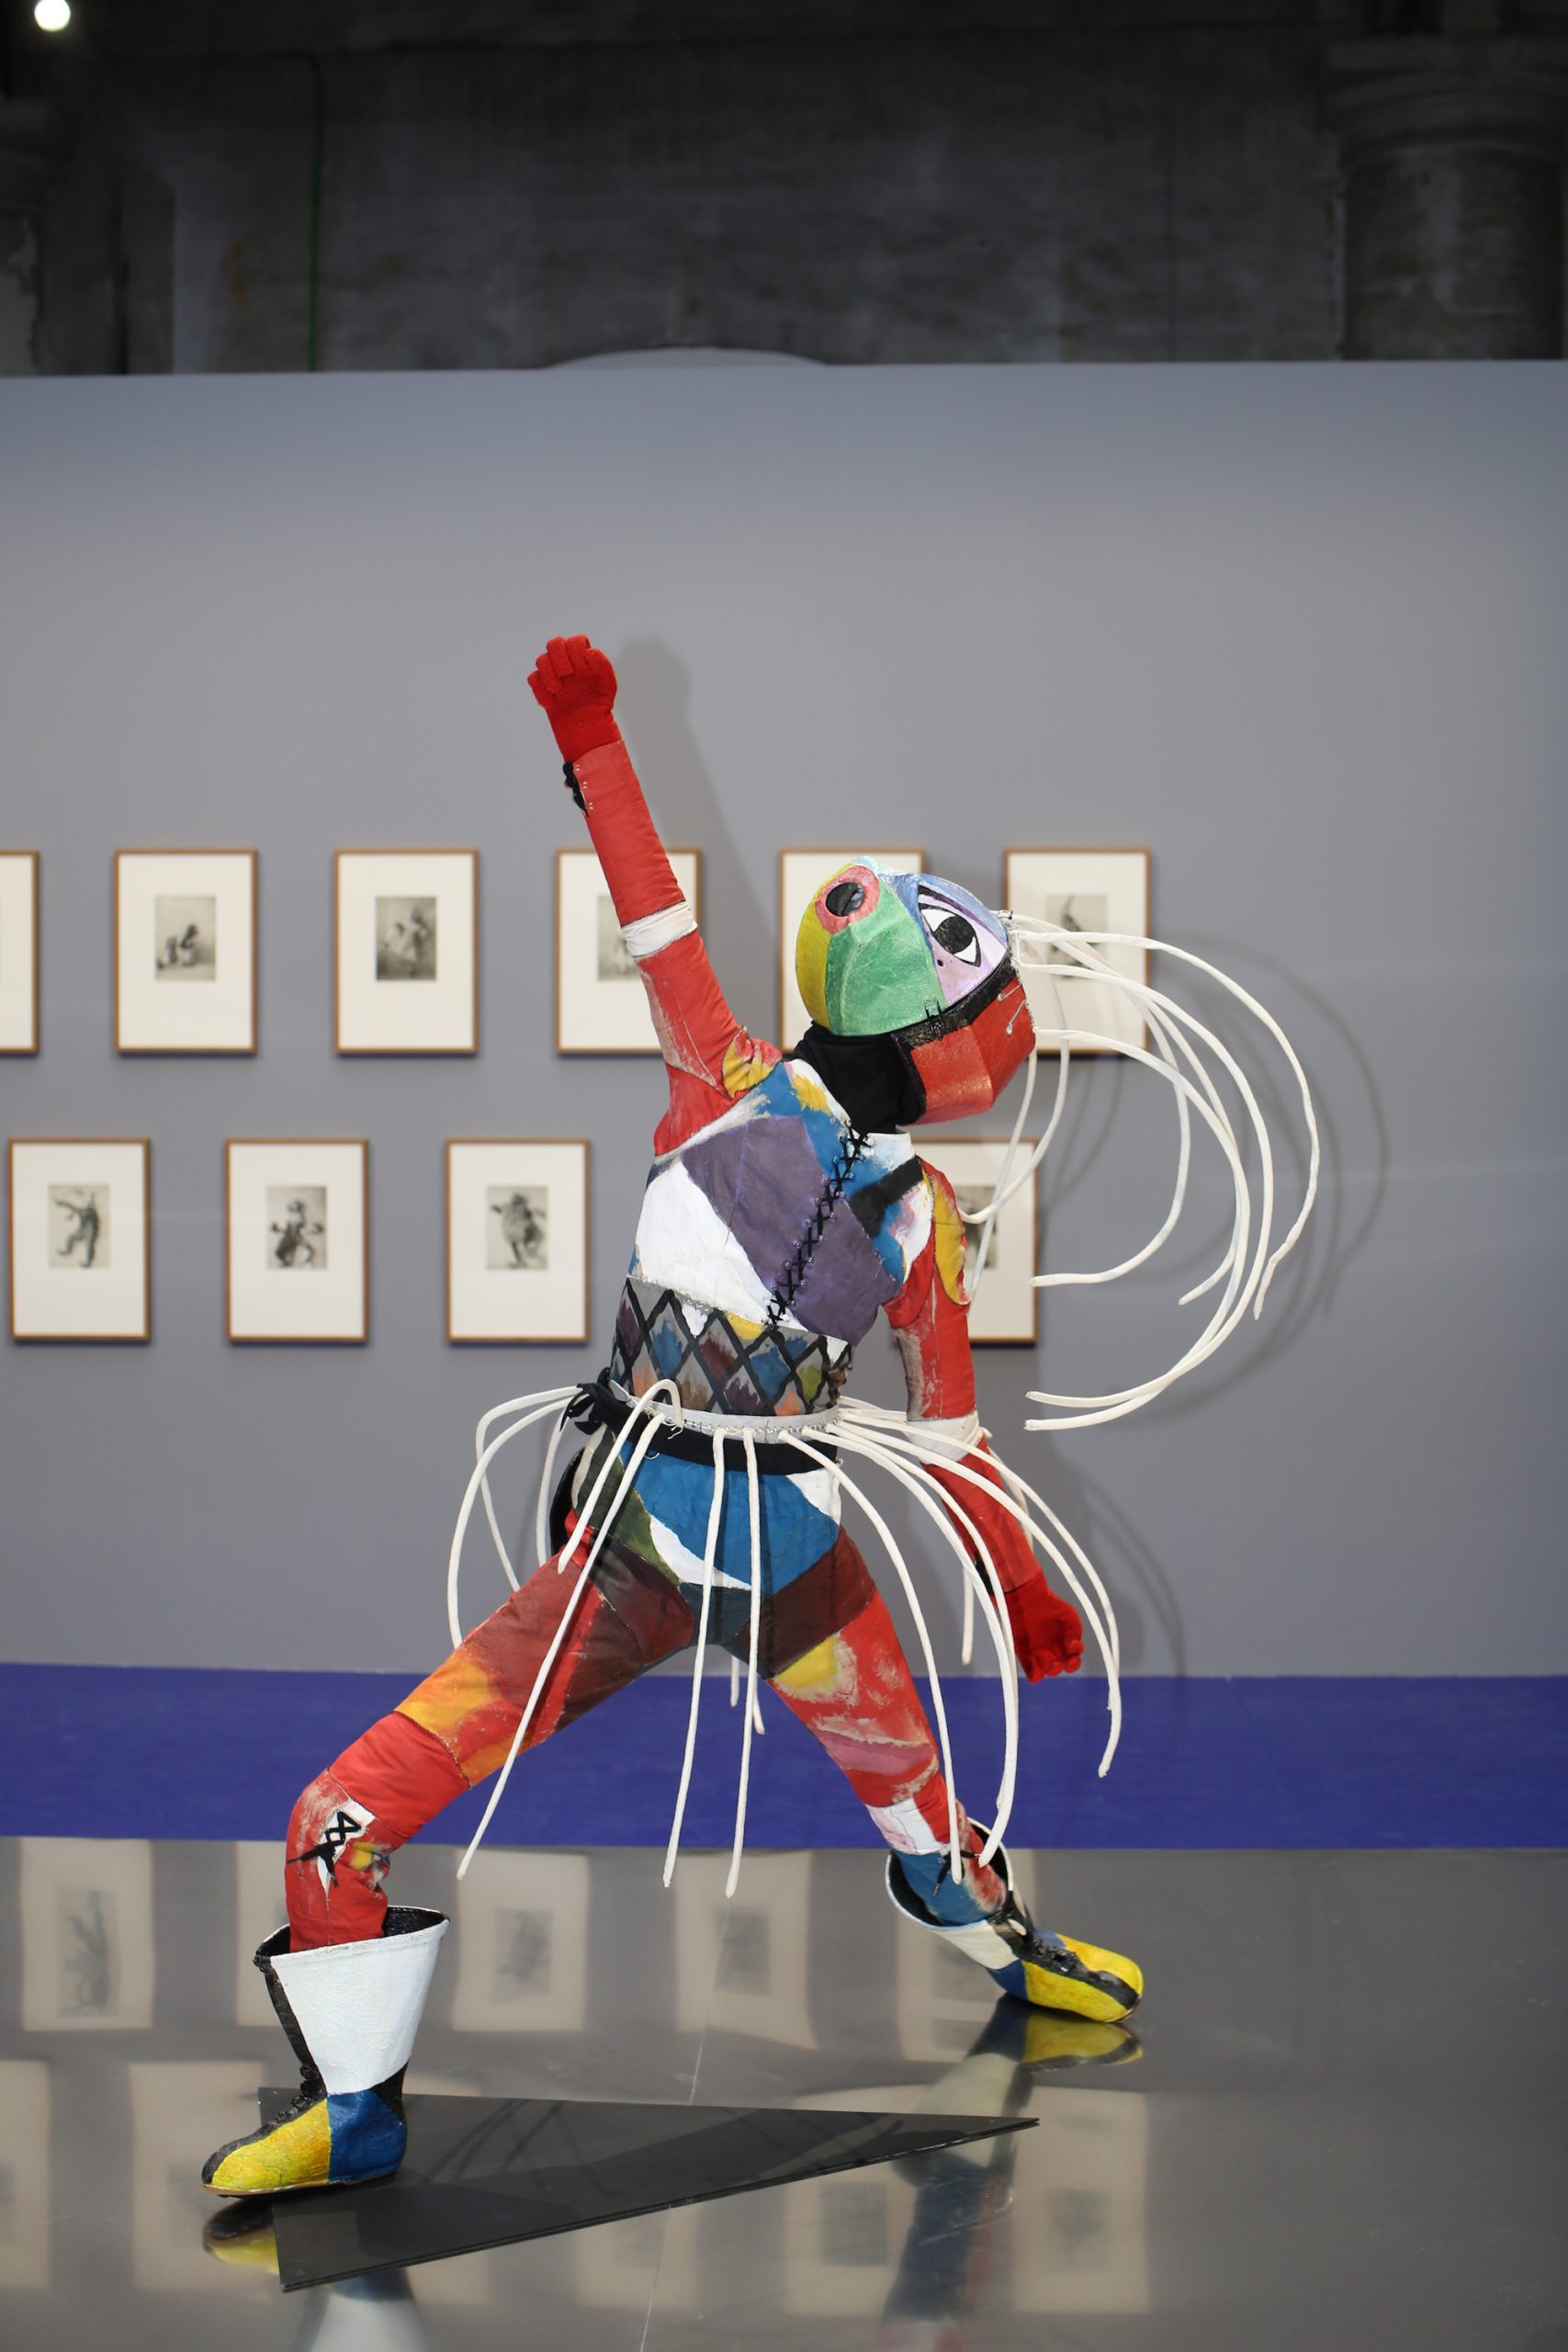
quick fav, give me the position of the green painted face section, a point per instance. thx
(880, 974)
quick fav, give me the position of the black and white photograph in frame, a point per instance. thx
(296, 1238)
(79, 1238)
(516, 1238)
(802, 873)
(999, 1260)
(1083, 890)
(185, 923)
(19, 951)
(601, 1004)
(407, 951)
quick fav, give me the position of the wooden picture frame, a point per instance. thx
(406, 951)
(802, 873)
(20, 970)
(518, 1276)
(1006, 1308)
(186, 951)
(1111, 890)
(80, 1209)
(601, 1004)
(297, 1212)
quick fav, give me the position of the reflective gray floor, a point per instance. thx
(1342, 2125)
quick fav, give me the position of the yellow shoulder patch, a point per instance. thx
(948, 1234)
(746, 1064)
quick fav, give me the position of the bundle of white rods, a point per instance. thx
(1071, 959)
(865, 1432)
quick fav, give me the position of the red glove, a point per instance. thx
(575, 687)
(1046, 1634)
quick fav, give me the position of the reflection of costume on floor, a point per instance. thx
(785, 1210)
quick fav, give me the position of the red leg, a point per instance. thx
(855, 1694)
(456, 1728)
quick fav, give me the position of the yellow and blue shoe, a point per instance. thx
(1051, 1972)
(351, 2012)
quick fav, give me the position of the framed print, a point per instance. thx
(1006, 1306)
(297, 1238)
(184, 951)
(408, 974)
(802, 873)
(1085, 889)
(19, 951)
(516, 1238)
(600, 1005)
(79, 1231)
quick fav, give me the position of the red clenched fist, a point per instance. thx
(1047, 1636)
(1046, 1632)
(575, 687)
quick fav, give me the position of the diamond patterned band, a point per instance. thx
(725, 1364)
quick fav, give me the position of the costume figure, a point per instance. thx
(85, 1227)
(520, 1230)
(783, 1211)
(297, 1237)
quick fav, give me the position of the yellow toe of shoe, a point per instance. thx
(294, 2155)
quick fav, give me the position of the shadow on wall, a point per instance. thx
(656, 690)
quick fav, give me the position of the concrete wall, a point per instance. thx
(1298, 634)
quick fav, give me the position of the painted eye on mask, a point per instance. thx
(953, 933)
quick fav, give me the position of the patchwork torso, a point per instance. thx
(767, 1243)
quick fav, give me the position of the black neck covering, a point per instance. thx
(871, 1077)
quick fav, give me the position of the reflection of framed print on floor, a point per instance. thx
(802, 873)
(1085, 889)
(87, 1919)
(184, 951)
(19, 951)
(297, 1238)
(407, 924)
(516, 1238)
(1005, 1304)
(80, 1260)
(601, 1006)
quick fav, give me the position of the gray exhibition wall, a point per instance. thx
(1297, 629)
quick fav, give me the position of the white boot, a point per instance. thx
(351, 2012)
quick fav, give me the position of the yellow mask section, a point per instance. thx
(811, 944)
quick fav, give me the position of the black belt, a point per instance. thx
(597, 1406)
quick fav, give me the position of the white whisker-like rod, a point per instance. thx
(938, 1708)
(645, 1406)
(471, 1492)
(1038, 929)
(546, 1492)
(1108, 1645)
(1238, 1296)
(710, 1554)
(1087, 1411)
(914, 1473)
(755, 1515)
(545, 1401)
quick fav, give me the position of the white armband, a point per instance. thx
(651, 933)
(952, 1438)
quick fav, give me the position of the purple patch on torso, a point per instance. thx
(763, 1181)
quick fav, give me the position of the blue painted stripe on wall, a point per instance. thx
(1297, 1760)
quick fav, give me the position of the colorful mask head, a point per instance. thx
(912, 963)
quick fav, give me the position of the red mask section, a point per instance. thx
(966, 1069)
